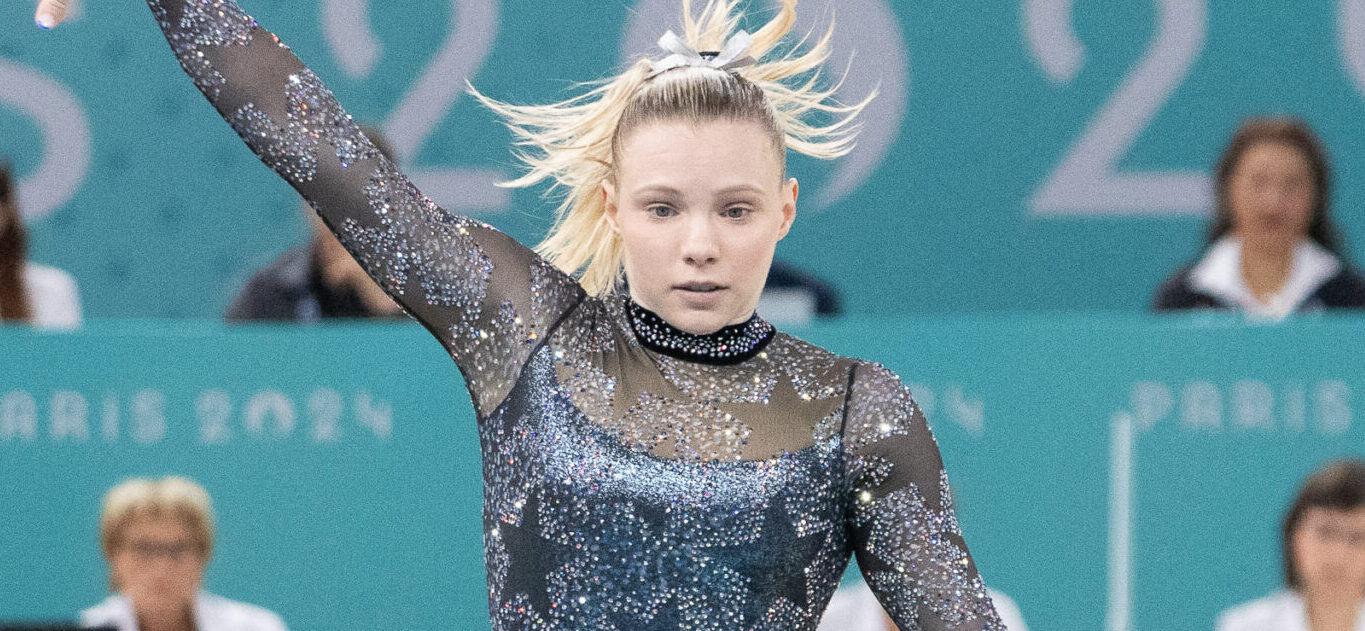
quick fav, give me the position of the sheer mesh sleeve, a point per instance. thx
(489, 300)
(904, 529)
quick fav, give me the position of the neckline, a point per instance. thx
(1219, 274)
(730, 345)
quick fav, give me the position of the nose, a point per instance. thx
(161, 567)
(1278, 197)
(701, 245)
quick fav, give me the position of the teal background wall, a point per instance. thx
(344, 460)
(1048, 154)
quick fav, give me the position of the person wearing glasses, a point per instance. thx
(157, 536)
(1323, 539)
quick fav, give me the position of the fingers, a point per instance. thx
(50, 13)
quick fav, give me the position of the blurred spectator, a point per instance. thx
(35, 294)
(1324, 560)
(315, 281)
(157, 536)
(793, 297)
(855, 608)
(1273, 249)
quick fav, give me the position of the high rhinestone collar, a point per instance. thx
(731, 345)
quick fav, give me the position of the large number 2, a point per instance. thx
(473, 26)
(1088, 181)
(65, 132)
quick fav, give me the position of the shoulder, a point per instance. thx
(56, 301)
(788, 345)
(815, 371)
(872, 380)
(1175, 292)
(44, 277)
(288, 270)
(1345, 289)
(1269, 612)
(222, 614)
(881, 407)
(114, 611)
(271, 292)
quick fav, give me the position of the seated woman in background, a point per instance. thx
(854, 607)
(30, 293)
(1273, 249)
(1324, 560)
(157, 536)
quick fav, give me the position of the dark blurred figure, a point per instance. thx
(793, 297)
(1324, 559)
(315, 281)
(1273, 249)
(34, 294)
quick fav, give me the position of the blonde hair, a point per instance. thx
(173, 497)
(574, 143)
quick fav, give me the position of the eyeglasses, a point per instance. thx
(1332, 533)
(176, 551)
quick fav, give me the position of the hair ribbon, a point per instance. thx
(731, 58)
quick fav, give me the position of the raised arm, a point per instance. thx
(488, 299)
(903, 525)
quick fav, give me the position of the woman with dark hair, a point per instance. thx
(30, 293)
(1273, 249)
(1324, 559)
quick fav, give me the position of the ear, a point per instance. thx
(609, 204)
(791, 190)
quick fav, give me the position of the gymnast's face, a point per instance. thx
(699, 209)
(1329, 552)
(159, 566)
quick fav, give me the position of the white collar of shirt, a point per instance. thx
(1292, 614)
(1219, 274)
(117, 611)
(211, 613)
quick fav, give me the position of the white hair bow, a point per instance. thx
(732, 58)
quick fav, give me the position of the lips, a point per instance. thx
(700, 287)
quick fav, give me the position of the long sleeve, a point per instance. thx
(902, 523)
(488, 299)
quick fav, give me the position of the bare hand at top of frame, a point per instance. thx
(50, 13)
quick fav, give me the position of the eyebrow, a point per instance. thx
(662, 189)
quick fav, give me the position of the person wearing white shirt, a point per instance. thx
(1324, 560)
(53, 297)
(157, 536)
(44, 297)
(1273, 249)
(210, 613)
(855, 608)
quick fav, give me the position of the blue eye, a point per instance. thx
(660, 211)
(736, 212)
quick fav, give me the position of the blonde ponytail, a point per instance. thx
(573, 143)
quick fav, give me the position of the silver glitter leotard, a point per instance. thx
(636, 477)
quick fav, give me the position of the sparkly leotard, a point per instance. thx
(636, 477)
